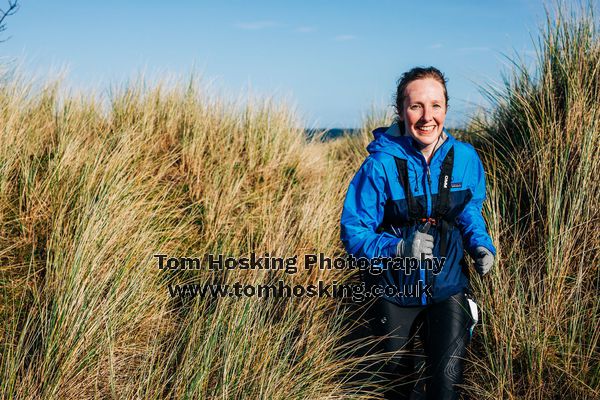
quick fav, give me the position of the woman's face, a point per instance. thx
(424, 111)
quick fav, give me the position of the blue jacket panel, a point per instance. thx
(375, 214)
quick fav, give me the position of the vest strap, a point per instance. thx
(413, 211)
(443, 201)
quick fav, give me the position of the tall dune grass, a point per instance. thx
(88, 194)
(540, 333)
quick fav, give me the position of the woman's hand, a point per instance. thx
(484, 260)
(420, 242)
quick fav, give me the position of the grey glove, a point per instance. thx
(420, 242)
(484, 259)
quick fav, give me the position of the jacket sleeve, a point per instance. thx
(363, 213)
(470, 221)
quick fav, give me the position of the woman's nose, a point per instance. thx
(427, 114)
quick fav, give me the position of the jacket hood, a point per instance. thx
(389, 140)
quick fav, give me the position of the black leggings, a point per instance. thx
(443, 330)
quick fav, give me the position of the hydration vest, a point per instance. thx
(417, 215)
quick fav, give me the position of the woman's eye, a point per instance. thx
(437, 106)
(415, 107)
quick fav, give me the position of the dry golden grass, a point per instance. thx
(540, 333)
(89, 193)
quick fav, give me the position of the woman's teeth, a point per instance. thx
(426, 128)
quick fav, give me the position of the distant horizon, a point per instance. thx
(357, 128)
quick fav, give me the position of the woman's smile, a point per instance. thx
(426, 129)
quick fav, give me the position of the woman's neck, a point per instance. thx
(428, 151)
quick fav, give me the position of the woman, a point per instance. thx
(418, 196)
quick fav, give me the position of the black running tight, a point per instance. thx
(443, 330)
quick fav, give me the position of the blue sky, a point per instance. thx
(333, 60)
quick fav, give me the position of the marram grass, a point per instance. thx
(89, 192)
(540, 337)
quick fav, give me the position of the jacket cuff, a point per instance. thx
(488, 246)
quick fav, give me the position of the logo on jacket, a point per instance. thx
(456, 184)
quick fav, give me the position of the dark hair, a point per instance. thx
(413, 75)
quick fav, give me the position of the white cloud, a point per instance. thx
(436, 46)
(474, 49)
(306, 29)
(256, 25)
(343, 38)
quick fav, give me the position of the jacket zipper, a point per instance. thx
(426, 188)
(429, 202)
(429, 187)
(429, 207)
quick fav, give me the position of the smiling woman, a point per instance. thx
(421, 105)
(419, 195)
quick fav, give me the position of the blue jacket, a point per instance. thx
(375, 196)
